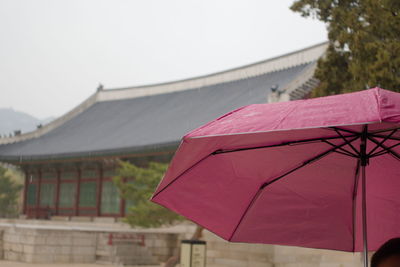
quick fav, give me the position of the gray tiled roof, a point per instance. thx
(146, 123)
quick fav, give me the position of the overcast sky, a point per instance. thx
(54, 53)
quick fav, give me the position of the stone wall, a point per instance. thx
(135, 249)
(73, 242)
(1, 244)
(48, 246)
(302, 257)
(34, 244)
(221, 253)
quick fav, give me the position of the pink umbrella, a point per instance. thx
(294, 173)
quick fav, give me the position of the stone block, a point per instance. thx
(40, 240)
(60, 218)
(29, 249)
(52, 240)
(7, 246)
(59, 258)
(161, 251)
(27, 239)
(260, 257)
(81, 219)
(11, 237)
(82, 258)
(65, 241)
(83, 234)
(260, 264)
(12, 256)
(160, 243)
(104, 219)
(84, 241)
(78, 250)
(43, 258)
(5, 237)
(16, 247)
(232, 263)
(27, 257)
(45, 232)
(213, 254)
(150, 242)
(45, 249)
(65, 250)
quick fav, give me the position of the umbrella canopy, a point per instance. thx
(292, 173)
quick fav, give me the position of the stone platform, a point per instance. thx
(106, 241)
(35, 241)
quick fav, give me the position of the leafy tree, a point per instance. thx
(9, 193)
(364, 44)
(136, 185)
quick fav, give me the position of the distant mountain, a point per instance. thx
(11, 120)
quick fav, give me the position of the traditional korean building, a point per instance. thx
(69, 163)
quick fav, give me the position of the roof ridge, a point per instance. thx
(322, 44)
(279, 63)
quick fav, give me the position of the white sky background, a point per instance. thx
(54, 53)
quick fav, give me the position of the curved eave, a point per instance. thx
(149, 150)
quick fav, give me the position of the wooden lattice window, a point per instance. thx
(31, 195)
(49, 175)
(67, 195)
(90, 174)
(110, 200)
(32, 177)
(69, 175)
(87, 194)
(47, 193)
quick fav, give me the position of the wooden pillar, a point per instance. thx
(99, 190)
(122, 208)
(39, 187)
(24, 211)
(57, 199)
(78, 189)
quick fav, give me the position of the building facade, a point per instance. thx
(69, 163)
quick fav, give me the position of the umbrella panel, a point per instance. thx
(311, 207)
(217, 191)
(383, 204)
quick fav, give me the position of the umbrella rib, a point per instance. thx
(384, 151)
(344, 130)
(349, 143)
(384, 136)
(345, 152)
(387, 149)
(383, 141)
(305, 163)
(306, 141)
(245, 212)
(384, 130)
(180, 175)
